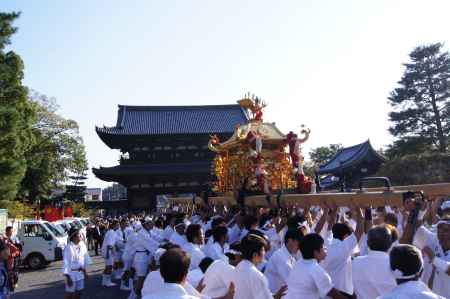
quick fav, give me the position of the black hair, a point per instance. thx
(250, 221)
(205, 263)
(407, 259)
(113, 224)
(217, 221)
(193, 231)
(174, 265)
(262, 235)
(219, 232)
(391, 218)
(310, 244)
(8, 228)
(340, 230)
(263, 219)
(159, 223)
(236, 247)
(169, 245)
(294, 234)
(251, 245)
(379, 238)
(72, 233)
(293, 222)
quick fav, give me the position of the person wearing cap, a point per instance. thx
(406, 264)
(283, 260)
(5, 283)
(145, 246)
(75, 260)
(108, 248)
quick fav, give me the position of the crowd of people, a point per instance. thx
(245, 253)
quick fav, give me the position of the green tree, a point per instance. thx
(16, 113)
(323, 154)
(57, 154)
(421, 103)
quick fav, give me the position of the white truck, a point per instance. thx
(42, 242)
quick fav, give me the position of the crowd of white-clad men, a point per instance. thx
(311, 252)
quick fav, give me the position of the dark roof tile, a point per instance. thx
(158, 120)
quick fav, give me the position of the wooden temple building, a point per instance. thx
(164, 149)
(349, 165)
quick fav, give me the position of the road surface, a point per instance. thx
(48, 283)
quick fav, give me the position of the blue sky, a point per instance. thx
(327, 64)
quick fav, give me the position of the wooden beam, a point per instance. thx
(372, 197)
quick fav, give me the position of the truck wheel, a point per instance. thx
(36, 261)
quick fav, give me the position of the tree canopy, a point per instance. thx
(323, 154)
(39, 149)
(58, 153)
(421, 103)
(17, 114)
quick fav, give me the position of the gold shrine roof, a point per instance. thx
(268, 131)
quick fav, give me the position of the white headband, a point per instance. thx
(398, 274)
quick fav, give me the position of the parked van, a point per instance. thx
(42, 242)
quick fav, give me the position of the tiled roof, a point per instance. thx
(350, 156)
(159, 120)
(111, 173)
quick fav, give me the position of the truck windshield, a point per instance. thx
(53, 229)
(60, 228)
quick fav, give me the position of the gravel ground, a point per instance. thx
(48, 283)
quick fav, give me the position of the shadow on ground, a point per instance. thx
(55, 290)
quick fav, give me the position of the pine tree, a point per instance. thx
(421, 103)
(16, 113)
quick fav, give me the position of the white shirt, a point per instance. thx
(154, 283)
(144, 242)
(170, 291)
(234, 234)
(178, 239)
(372, 276)
(109, 241)
(121, 238)
(75, 257)
(308, 280)
(411, 290)
(274, 239)
(216, 252)
(338, 263)
(250, 283)
(217, 279)
(196, 253)
(167, 233)
(194, 277)
(441, 282)
(130, 248)
(278, 268)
